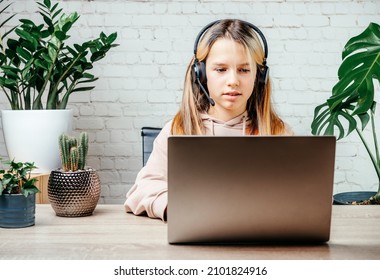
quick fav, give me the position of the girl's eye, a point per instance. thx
(245, 70)
(220, 69)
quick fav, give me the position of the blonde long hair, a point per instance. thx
(263, 119)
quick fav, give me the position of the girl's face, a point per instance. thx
(230, 78)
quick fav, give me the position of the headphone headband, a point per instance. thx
(255, 28)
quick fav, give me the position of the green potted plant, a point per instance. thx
(39, 71)
(17, 195)
(73, 190)
(351, 107)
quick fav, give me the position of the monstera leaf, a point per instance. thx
(353, 94)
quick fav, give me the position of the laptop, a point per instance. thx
(250, 188)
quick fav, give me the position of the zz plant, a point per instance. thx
(39, 62)
(17, 179)
(352, 106)
(73, 151)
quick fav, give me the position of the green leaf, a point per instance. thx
(360, 66)
(25, 72)
(54, 7)
(51, 30)
(52, 52)
(97, 56)
(60, 35)
(25, 35)
(47, 3)
(5, 21)
(6, 33)
(111, 38)
(67, 26)
(78, 48)
(88, 76)
(47, 58)
(47, 20)
(325, 122)
(24, 54)
(72, 51)
(9, 84)
(83, 89)
(364, 118)
(12, 44)
(40, 64)
(56, 13)
(29, 46)
(45, 33)
(87, 81)
(11, 74)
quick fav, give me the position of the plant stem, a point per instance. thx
(377, 169)
(377, 196)
(65, 98)
(375, 138)
(54, 91)
(6, 93)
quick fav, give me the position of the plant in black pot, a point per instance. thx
(74, 190)
(351, 107)
(41, 66)
(17, 195)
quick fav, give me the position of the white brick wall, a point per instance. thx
(141, 81)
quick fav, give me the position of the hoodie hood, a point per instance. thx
(234, 127)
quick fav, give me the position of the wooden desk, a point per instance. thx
(112, 234)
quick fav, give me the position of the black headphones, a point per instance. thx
(199, 67)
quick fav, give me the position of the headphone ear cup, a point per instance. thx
(199, 69)
(263, 75)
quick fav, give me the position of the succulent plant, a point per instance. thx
(36, 61)
(73, 152)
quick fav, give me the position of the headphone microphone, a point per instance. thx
(199, 67)
(212, 102)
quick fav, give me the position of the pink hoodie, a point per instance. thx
(149, 193)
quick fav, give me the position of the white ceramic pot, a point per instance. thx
(32, 135)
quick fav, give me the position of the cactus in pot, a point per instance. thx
(73, 152)
(73, 190)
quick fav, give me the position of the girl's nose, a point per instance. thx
(233, 79)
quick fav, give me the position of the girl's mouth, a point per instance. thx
(232, 93)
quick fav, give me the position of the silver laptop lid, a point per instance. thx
(250, 188)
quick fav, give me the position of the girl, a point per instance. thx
(226, 92)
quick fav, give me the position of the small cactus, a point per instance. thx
(73, 152)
